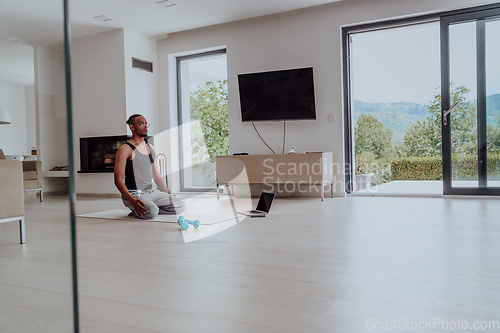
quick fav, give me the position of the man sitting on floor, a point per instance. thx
(135, 161)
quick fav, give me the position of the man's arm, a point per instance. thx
(160, 182)
(119, 173)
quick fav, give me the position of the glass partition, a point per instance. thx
(36, 278)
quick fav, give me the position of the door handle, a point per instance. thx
(446, 113)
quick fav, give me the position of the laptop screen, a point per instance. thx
(265, 201)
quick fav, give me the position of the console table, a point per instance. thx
(297, 169)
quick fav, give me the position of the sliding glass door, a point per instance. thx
(470, 90)
(459, 139)
(203, 117)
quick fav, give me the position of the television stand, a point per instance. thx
(278, 169)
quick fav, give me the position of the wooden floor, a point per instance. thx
(311, 266)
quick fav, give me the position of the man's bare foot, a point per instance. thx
(131, 214)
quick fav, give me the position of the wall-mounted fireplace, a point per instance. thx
(97, 154)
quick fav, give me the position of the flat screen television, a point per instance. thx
(277, 95)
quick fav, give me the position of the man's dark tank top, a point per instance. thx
(139, 170)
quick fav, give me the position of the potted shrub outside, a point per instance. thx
(362, 176)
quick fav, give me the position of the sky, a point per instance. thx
(404, 65)
(207, 69)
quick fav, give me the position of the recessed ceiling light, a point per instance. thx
(11, 39)
(165, 3)
(102, 18)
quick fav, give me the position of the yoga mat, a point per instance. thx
(208, 211)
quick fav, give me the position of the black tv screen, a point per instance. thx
(278, 95)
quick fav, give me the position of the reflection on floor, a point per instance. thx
(310, 266)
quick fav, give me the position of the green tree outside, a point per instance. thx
(423, 140)
(209, 107)
(373, 148)
(424, 137)
(372, 136)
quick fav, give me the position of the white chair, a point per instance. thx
(32, 173)
(12, 194)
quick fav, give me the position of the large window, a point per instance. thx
(203, 118)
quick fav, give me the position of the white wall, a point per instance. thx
(51, 113)
(309, 37)
(99, 98)
(31, 129)
(13, 137)
(50, 100)
(141, 86)
(107, 90)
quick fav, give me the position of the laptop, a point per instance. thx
(263, 207)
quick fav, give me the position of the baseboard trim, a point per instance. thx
(98, 195)
(35, 193)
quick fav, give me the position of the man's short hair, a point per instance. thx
(131, 119)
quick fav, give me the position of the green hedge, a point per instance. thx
(417, 168)
(430, 167)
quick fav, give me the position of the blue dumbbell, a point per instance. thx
(184, 223)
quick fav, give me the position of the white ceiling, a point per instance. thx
(40, 23)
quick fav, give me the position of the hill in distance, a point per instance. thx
(397, 116)
(493, 109)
